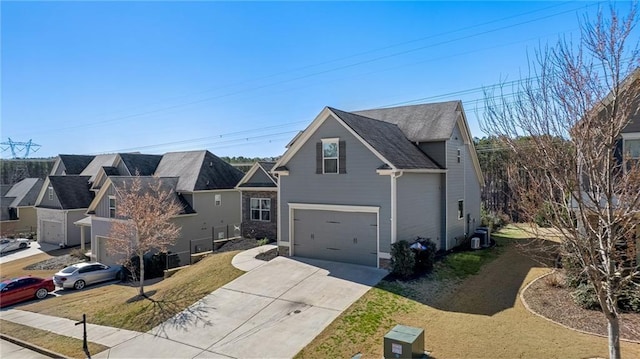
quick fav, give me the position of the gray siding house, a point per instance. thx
(259, 196)
(353, 183)
(202, 182)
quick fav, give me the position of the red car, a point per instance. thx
(24, 288)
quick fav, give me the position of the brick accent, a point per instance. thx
(259, 229)
(283, 251)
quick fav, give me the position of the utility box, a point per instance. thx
(404, 342)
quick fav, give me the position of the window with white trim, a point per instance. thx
(50, 193)
(261, 209)
(330, 155)
(632, 148)
(459, 155)
(218, 200)
(460, 209)
(112, 206)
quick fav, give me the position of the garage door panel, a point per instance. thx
(51, 232)
(338, 236)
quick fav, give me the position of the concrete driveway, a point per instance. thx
(33, 249)
(272, 311)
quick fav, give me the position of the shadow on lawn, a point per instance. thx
(494, 289)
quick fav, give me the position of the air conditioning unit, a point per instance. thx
(486, 239)
(475, 243)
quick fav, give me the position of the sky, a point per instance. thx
(242, 78)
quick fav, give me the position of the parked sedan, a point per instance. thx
(79, 275)
(11, 244)
(24, 288)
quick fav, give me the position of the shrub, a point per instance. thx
(554, 280)
(492, 220)
(585, 296)
(80, 254)
(403, 259)
(154, 265)
(263, 241)
(629, 300)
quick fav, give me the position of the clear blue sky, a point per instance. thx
(243, 78)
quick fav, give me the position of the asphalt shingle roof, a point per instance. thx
(74, 164)
(387, 138)
(72, 191)
(166, 184)
(198, 171)
(96, 165)
(420, 123)
(143, 164)
(25, 192)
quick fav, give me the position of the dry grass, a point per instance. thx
(482, 317)
(117, 305)
(67, 346)
(16, 268)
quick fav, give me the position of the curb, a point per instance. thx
(524, 302)
(33, 347)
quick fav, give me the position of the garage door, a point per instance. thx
(51, 232)
(337, 236)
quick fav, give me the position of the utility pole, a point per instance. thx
(85, 347)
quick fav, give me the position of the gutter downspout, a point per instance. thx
(394, 205)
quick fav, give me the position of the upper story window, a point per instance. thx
(632, 148)
(50, 193)
(459, 155)
(218, 200)
(330, 155)
(460, 209)
(112, 206)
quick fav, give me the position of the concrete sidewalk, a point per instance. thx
(107, 336)
(246, 260)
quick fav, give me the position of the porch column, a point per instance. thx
(82, 238)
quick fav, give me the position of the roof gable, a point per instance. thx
(72, 191)
(420, 123)
(259, 176)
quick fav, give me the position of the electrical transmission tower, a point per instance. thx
(17, 147)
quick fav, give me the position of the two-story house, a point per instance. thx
(353, 183)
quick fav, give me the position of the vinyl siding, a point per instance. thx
(260, 177)
(455, 187)
(472, 192)
(435, 150)
(419, 205)
(49, 203)
(360, 185)
(73, 231)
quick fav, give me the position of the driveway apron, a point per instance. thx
(272, 311)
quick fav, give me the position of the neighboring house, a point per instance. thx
(353, 183)
(18, 211)
(200, 180)
(66, 194)
(259, 193)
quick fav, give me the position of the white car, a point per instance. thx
(77, 276)
(11, 244)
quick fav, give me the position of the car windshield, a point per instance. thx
(69, 269)
(2, 285)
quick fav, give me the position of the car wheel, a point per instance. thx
(79, 284)
(41, 293)
(23, 245)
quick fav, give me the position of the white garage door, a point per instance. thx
(337, 236)
(51, 232)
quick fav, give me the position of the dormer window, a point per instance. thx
(330, 155)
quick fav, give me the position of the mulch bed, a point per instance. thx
(54, 263)
(239, 244)
(268, 255)
(557, 304)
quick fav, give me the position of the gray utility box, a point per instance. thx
(404, 342)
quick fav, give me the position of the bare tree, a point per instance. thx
(145, 207)
(563, 126)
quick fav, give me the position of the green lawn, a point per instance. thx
(117, 305)
(478, 315)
